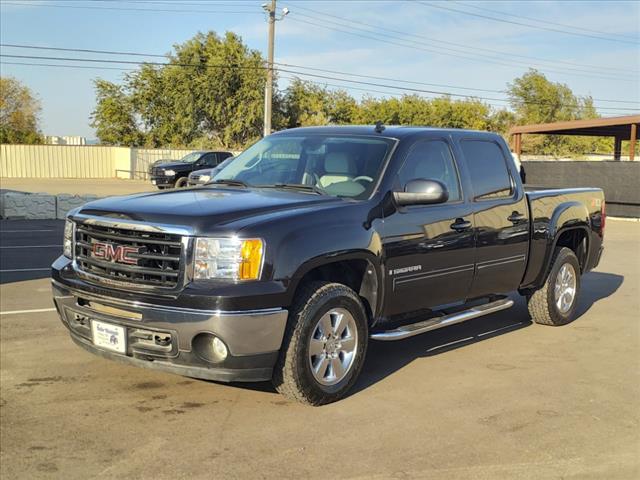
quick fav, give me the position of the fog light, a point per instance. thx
(210, 348)
(219, 348)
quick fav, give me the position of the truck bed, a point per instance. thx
(553, 210)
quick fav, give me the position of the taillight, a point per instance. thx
(603, 217)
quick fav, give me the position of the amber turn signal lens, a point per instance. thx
(251, 262)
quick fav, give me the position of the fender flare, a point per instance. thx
(372, 283)
(566, 217)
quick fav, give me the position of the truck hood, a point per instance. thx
(205, 209)
(171, 164)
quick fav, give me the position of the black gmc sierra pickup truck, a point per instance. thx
(312, 242)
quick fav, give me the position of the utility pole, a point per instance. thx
(268, 90)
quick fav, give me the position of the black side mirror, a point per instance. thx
(422, 192)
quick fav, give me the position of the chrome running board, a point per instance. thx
(413, 329)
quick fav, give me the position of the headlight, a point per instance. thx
(67, 245)
(169, 173)
(204, 178)
(230, 258)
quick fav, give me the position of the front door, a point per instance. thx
(428, 249)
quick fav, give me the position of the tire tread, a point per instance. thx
(285, 373)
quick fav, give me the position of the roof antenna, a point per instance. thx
(379, 127)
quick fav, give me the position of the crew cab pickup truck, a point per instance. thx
(314, 241)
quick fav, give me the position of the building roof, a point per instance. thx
(600, 127)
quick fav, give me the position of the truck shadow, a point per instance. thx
(385, 358)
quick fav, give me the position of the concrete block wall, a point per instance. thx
(38, 206)
(619, 180)
(66, 202)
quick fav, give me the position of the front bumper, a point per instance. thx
(163, 181)
(253, 337)
(196, 183)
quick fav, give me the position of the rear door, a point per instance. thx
(429, 249)
(500, 217)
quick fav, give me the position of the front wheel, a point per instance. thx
(181, 182)
(555, 303)
(324, 345)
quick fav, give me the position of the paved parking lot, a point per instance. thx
(496, 397)
(102, 187)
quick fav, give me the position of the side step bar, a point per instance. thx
(413, 329)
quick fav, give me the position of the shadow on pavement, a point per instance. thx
(385, 358)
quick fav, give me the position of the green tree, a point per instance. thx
(210, 93)
(437, 112)
(114, 116)
(305, 103)
(535, 99)
(19, 111)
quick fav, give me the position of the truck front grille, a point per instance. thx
(132, 257)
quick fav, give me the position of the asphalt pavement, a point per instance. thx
(492, 398)
(28, 248)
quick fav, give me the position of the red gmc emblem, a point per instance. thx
(113, 253)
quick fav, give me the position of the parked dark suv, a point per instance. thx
(175, 173)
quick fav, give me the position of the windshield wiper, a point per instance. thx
(297, 186)
(228, 181)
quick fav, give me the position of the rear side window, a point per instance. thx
(432, 160)
(487, 168)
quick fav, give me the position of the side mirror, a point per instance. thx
(422, 192)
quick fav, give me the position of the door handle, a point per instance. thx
(516, 217)
(460, 225)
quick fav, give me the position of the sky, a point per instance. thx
(455, 46)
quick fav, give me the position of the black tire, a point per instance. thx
(542, 303)
(292, 375)
(181, 182)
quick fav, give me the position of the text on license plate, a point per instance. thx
(111, 337)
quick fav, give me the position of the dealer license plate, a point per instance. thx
(108, 336)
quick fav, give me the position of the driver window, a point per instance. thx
(431, 160)
(208, 159)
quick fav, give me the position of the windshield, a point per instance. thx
(341, 166)
(191, 157)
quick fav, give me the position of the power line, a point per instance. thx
(323, 83)
(113, 52)
(477, 58)
(493, 59)
(324, 77)
(150, 10)
(549, 29)
(62, 65)
(564, 25)
(466, 47)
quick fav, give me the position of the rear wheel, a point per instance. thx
(324, 346)
(555, 303)
(181, 182)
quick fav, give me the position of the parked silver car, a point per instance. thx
(200, 177)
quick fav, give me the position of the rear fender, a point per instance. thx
(567, 216)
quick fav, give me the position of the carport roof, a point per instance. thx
(618, 127)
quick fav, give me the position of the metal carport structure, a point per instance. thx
(625, 128)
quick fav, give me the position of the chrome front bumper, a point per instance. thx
(253, 338)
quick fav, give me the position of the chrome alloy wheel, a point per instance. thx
(565, 288)
(333, 346)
